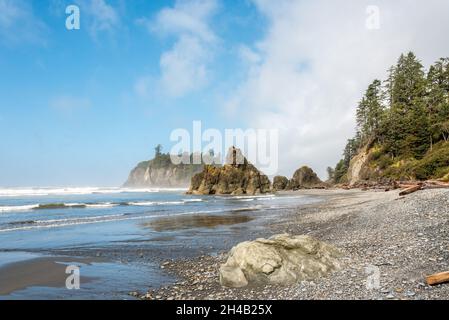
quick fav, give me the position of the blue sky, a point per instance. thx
(82, 107)
(69, 110)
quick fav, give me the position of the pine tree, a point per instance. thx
(158, 150)
(370, 113)
(330, 173)
(438, 100)
(407, 121)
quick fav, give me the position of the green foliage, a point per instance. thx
(330, 173)
(370, 113)
(384, 161)
(158, 151)
(341, 169)
(406, 118)
(434, 164)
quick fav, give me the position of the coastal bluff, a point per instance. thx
(236, 177)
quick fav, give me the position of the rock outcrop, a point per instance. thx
(281, 260)
(305, 178)
(357, 167)
(280, 183)
(161, 172)
(236, 177)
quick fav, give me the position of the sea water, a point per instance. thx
(132, 229)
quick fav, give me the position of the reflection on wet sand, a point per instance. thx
(41, 272)
(195, 221)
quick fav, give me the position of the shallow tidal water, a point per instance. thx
(118, 237)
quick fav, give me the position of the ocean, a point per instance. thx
(125, 234)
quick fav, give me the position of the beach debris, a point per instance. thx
(407, 187)
(437, 278)
(282, 259)
(410, 190)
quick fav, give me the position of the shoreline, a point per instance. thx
(401, 238)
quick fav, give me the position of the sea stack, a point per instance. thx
(280, 183)
(161, 172)
(236, 177)
(305, 178)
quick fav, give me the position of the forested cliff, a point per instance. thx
(402, 126)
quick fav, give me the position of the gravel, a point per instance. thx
(390, 243)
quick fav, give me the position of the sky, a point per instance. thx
(83, 107)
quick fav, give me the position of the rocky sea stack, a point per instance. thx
(280, 183)
(236, 177)
(305, 178)
(161, 172)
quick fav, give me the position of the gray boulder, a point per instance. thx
(281, 259)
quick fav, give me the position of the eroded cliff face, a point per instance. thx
(358, 167)
(161, 172)
(236, 177)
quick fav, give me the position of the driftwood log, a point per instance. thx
(438, 278)
(410, 190)
(407, 187)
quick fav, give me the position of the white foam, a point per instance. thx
(156, 203)
(27, 192)
(247, 197)
(101, 205)
(18, 208)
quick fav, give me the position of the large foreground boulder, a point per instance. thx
(281, 259)
(236, 177)
(305, 178)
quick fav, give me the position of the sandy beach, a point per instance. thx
(402, 239)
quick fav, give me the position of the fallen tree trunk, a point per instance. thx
(437, 183)
(410, 190)
(435, 186)
(437, 278)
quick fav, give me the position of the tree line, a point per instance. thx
(406, 114)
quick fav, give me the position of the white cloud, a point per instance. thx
(315, 61)
(18, 24)
(184, 68)
(186, 17)
(99, 16)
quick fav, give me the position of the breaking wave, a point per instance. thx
(27, 192)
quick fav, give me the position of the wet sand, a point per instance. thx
(195, 221)
(40, 272)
